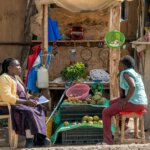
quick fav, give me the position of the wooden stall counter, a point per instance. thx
(62, 85)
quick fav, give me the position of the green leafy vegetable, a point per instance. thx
(74, 72)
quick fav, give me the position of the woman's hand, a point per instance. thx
(122, 102)
(33, 97)
(30, 103)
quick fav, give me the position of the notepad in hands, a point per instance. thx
(42, 100)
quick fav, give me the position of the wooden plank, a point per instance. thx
(85, 43)
(129, 141)
(141, 42)
(114, 56)
(27, 34)
(54, 86)
(132, 18)
(4, 116)
(12, 16)
(146, 78)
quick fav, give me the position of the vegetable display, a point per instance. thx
(74, 72)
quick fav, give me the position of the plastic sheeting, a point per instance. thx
(80, 5)
(75, 5)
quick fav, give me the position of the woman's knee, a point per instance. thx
(105, 111)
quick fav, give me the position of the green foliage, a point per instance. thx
(74, 72)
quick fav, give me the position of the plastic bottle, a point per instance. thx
(42, 77)
(72, 56)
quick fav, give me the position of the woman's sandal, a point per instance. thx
(102, 143)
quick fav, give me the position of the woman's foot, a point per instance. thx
(47, 142)
(40, 140)
(29, 143)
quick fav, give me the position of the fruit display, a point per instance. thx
(96, 99)
(86, 120)
(66, 123)
(80, 120)
(97, 87)
(73, 100)
(92, 120)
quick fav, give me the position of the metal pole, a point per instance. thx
(60, 100)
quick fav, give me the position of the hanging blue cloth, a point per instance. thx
(53, 31)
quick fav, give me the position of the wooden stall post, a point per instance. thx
(45, 33)
(114, 57)
(45, 92)
(143, 48)
(146, 77)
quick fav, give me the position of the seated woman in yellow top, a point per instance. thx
(27, 117)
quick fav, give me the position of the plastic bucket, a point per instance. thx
(113, 36)
(49, 127)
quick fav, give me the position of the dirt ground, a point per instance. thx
(128, 134)
(130, 131)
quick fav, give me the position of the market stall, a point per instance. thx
(114, 23)
(113, 9)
